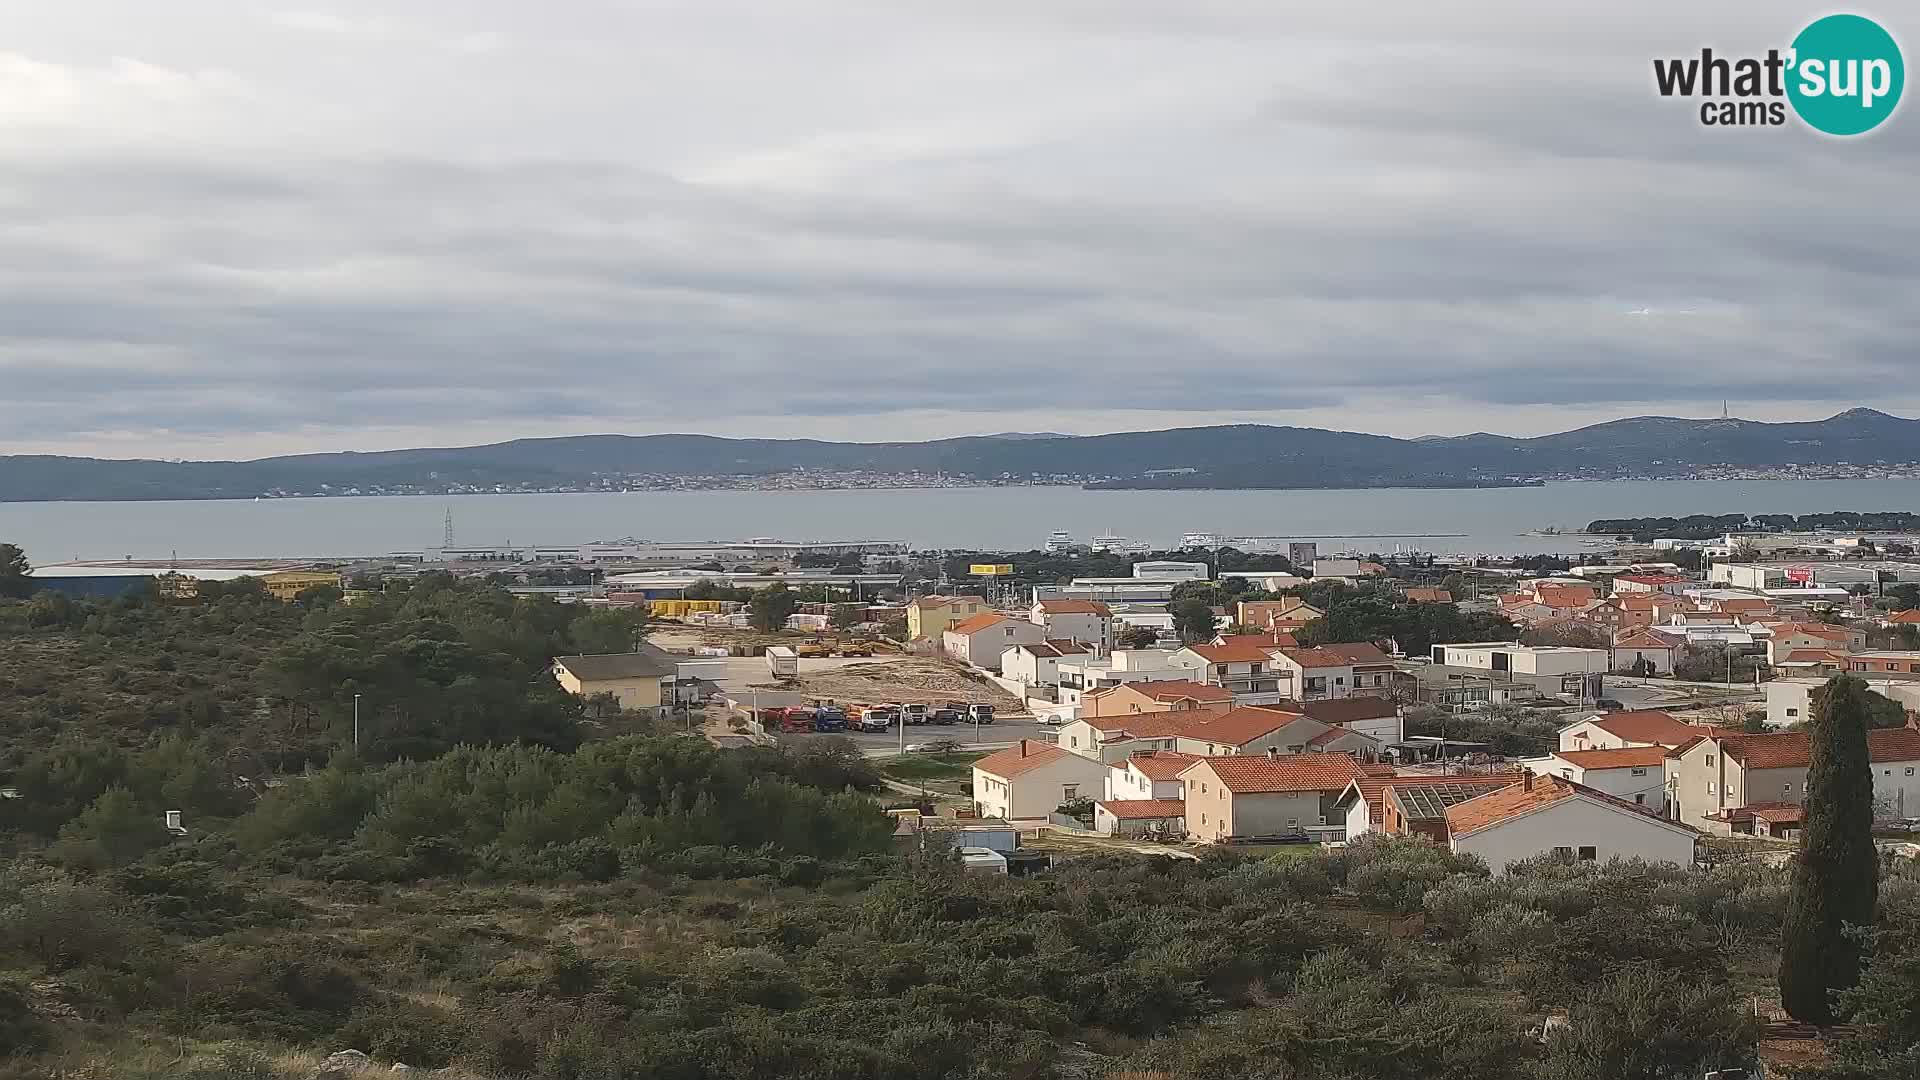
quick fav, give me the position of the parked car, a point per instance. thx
(944, 717)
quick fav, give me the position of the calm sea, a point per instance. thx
(1492, 520)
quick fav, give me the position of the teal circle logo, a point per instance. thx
(1846, 75)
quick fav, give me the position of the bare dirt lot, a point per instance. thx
(908, 679)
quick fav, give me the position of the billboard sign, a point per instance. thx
(991, 569)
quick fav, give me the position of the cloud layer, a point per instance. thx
(228, 230)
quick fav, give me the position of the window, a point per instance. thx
(1640, 771)
(1293, 823)
(1340, 680)
(1073, 740)
(1203, 788)
(1589, 854)
(1069, 792)
(1323, 819)
(1786, 789)
(1709, 761)
(1793, 712)
(1256, 668)
(1640, 800)
(1563, 852)
(1710, 790)
(1909, 771)
(1203, 819)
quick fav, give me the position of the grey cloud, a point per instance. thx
(891, 214)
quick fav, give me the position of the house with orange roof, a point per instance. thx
(981, 641)
(1543, 815)
(1272, 639)
(929, 616)
(1336, 670)
(1897, 619)
(1148, 774)
(1246, 668)
(1039, 664)
(1140, 817)
(1031, 779)
(1644, 649)
(1727, 770)
(1254, 796)
(1364, 804)
(1288, 613)
(1265, 730)
(1429, 596)
(1636, 727)
(1637, 774)
(1159, 695)
(1087, 621)
(1791, 637)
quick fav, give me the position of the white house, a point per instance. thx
(1632, 647)
(1365, 803)
(1140, 817)
(1335, 671)
(1150, 774)
(1635, 774)
(1641, 727)
(1247, 669)
(1553, 815)
(1254, 796)
(1030, 779)
(1084, 674)
(1088, 621)
(1790, 701)
(1039, 664)
(1376, 717)
(983, 639)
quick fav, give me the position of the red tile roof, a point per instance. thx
(1530, 794)
(1644, 639)
(1161, 764)
(1260, 775)
(1149, 725)
(977, 623)
(1143, 809)
(1911, 615)
(1814, 656)
(1022, 757)
(1075, 607)
(1175, 689)
(1331, 656)
(1358, 652)
(1646, 726)
(1238, 653)
(1259, 641)
(1637, 757)
(1238, 727)
(1055, 647)
(1793, 749)
(1429, 596)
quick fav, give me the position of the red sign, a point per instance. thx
(1801, 574)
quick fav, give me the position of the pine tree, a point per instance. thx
(1836, 875)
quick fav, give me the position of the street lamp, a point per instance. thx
(356, 723)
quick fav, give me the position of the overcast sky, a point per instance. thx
(228, 229)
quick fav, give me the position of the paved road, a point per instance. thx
(1003, 732)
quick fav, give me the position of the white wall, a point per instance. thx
(1598, 738)
(1359, 819)
(1650, 786)
(1579, 822)
(1038, 792)
(1790, 701)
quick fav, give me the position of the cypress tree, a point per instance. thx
(1836, 874)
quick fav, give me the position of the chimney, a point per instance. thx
(1526, 779)
(1273, 751)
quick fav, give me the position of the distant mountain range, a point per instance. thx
(1236, 456)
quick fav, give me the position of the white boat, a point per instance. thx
(1202, 540)
(1115, 544)
(1059, 540)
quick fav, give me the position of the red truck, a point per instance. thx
(789, 720)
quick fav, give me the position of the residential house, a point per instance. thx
(1550, 670)
(1637, 774)
(928, 617)
(1141, 817)
(1251, 730)
(1245, 797)
(1641, 646)
(1039, 664)
(1273, 639)
(1363, 805)
(1149, 774)
(1088, 621)
(1112, 739)
(1648, 583)
(1160, 695)
(1287, 614)
(1376, 717)
(1790, 699)
(1639, 727)
(1335, 671)
(1031, 779)
(1816, 662)
(1789, 637)
(1245, 668)
(1083, 675)
(1885, 661)
(1542, 815)
(1896, 620)
(633, 679)
(1727, 771)
(982, 640)
(1429, 596)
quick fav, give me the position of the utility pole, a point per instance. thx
(356, 724)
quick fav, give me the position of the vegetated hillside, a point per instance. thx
(545, 902)
(1244, 455)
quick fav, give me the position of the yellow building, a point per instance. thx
(932, 616)
(289, 584)
(632, 678)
